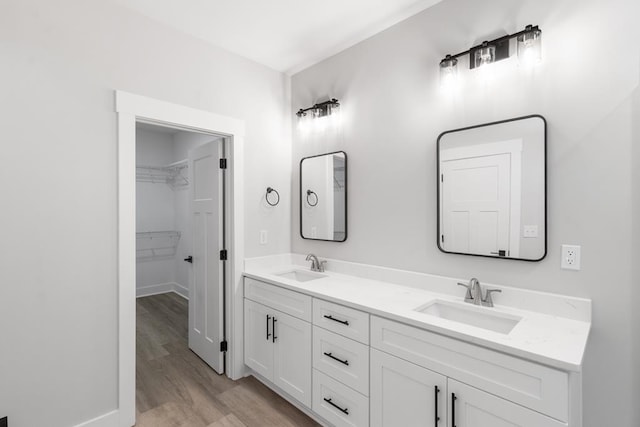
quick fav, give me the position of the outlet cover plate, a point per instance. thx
(570, 257)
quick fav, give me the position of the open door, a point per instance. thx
(206, 290)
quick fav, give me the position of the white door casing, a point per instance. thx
(206, 287)
(130, 109)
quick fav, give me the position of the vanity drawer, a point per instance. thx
(290, 302)
(343, 320)
(337, 403)
(529, 384)
(341, 358)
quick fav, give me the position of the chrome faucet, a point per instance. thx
(316, 264)
(474, 293)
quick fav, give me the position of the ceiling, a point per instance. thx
(286, 35)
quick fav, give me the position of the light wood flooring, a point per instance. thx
(174, 387)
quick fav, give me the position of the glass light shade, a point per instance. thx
(530, 47)
(484, 55)
(448, 71)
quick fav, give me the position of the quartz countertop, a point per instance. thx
(549, 339)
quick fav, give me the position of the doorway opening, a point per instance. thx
(180, 237)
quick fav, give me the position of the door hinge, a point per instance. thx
(223, 255)
(442, 178)
(442, 238)
(223, 163)
(223, 346)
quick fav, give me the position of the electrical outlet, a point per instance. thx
(530, 231)
(264, 237)
(570, 257)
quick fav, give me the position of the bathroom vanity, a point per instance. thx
(363, 345)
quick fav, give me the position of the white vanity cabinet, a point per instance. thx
(358, 368)
(481, 387)
(277, 344)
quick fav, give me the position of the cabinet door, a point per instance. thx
(258, 345)
(404, 394)
(292, 356)
(471, 407)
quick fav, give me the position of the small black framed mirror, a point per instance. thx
(323, 197)
(492, 189)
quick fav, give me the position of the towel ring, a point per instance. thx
(269, 191)
(309, 193)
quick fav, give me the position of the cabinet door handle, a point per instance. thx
(344, 362)
(437, 418)
(453, 409)
(273, 329)
(330, 317)
(268, 334)
(343, 410)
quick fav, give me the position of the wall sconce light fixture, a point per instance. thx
(528, 49)
(321, 109)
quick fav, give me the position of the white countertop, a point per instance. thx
(544, 338)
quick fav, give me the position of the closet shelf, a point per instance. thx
(154, 245)
(173, 174)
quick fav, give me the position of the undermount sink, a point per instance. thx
(471, 315)
(300, 275)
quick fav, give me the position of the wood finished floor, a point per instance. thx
(174, 387)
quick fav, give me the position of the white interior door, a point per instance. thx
(476, 215)
(206, 287)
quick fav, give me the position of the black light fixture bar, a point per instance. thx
(501, 44)
(321, 107)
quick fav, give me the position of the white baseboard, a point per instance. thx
(110, 419)
(162, 288)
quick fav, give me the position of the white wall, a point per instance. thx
(61, 62)
(393, 110)
(155, 207)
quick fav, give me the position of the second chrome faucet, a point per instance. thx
(474, 293)
(316, 264)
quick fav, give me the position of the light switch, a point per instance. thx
(530, 231)
(264, 237)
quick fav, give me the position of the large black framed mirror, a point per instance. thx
(323, 197)
(492, 189)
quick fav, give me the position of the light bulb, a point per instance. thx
(484, 55)
(448, 71)
(530, 46)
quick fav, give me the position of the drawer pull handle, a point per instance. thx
(343, 410)
(344, 362)
(330, 317)
(453, 409)
(268, 333)
(273, 329)
(437, 418)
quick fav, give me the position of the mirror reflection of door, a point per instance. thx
(480, 199)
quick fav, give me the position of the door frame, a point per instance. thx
(131, 108)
